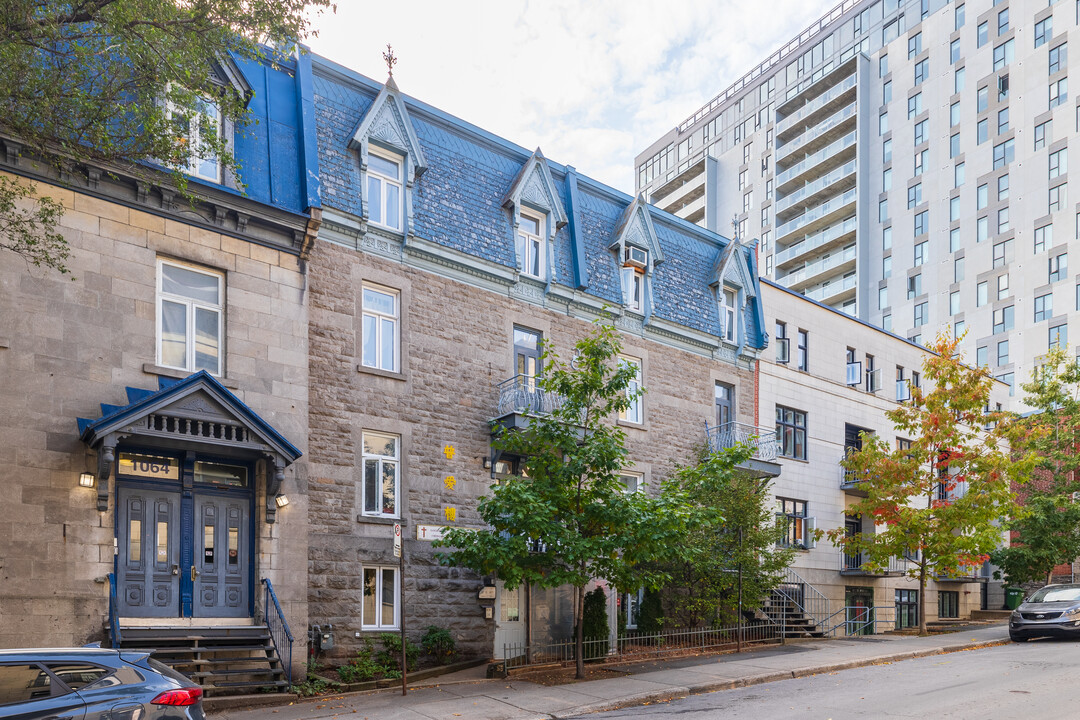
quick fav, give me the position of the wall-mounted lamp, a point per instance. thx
(487, 463)
(86, 480)
(281, 500)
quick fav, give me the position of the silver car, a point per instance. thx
(1053, 611)
(92, 684)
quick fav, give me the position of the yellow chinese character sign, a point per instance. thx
(450, 482)
(448, 451)
(451, 514)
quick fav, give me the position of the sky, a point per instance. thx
(591, 83)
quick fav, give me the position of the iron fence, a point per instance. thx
(761, 439)
(523, 394)
(860, 620)
(634, 645)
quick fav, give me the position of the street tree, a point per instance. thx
(939, 501)
(567, 518)
(1046, 532)
(114, 83)
(733, 552)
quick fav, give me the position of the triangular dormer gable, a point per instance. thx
(534, 187)
(387, 123)
(635, 227)
(226, 73)
(731, 269)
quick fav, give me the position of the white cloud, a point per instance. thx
(592, 83)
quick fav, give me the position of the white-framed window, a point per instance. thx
(633, 287)
(381, 336)
(190, 304)
(379, 609)
(728, 325)
(632, 481)
(632, 606)
(633, 413)
(382, 476)
(530, 245)
(384, 174)
(204, 121)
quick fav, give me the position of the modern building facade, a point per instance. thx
(448, 259)
(156, 400)
(905, 162)
(828, 377)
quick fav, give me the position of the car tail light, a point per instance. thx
(181, 696)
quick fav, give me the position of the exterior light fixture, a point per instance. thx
(487, 463)
(86, 480)
(281, 500)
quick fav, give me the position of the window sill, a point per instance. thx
(151, 369)
(793, 459)
(630, 424)
(380, 372)
(380, 520)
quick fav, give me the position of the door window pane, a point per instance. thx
(163, 541)
(135, 541)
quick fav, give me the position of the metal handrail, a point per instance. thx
(815, 604)
(761, 439)
(816, 104)
(817, 212)
(783, 152)
(114, 613)
(816, 240)
(872, 614)
(278, 626)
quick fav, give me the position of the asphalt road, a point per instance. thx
(1039, 679)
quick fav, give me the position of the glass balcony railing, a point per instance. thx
(827, 291)
(816, 159)
(812, 242)
(816, 104)
(816, 186)
(817, 267)
(817, 212)
(816, 131)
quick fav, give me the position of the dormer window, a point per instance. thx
(728, 298)
(633, 284)
(635, 257)
(194, 126)
(530, 245)
(384, 189)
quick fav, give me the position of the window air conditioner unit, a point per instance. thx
(635, 257)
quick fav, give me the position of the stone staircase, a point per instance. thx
(225, 660)
(785, 613)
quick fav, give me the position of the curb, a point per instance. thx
(671, 693)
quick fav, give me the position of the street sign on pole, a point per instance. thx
(397, 540)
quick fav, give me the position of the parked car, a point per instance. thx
(1053, 611)
(93, 684)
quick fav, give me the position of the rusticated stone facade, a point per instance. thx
(456, 346)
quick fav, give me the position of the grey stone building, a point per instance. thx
(445, 258)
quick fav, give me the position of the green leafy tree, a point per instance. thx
(941, 500)
(1047, 531)
(112, 83)
(734, 533)
(567, 518)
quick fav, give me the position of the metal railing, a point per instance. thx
(815, 159)
(812, 242)
(783, 152)
(761, 439)
(815, 186)
(860, 620)
(114, 613)
(856, 562)
(827, 291)
(816, 104)
(523, 394)
(278, 627)
(810, 601)
(817, 212)
(638, 645)
(819, 267)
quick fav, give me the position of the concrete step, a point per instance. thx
(990, 614)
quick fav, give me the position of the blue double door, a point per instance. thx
(183, 553)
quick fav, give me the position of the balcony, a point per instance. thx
(762, 439)
(523, 395)
(814, 270)
(855, 564)
(807, 195)
(834, 151)
(833, 96)
(834, 235)
(816, 135)
(819, 216)
(833, 291)
(850, 483)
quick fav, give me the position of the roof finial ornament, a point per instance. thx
(390, 60)
(735, 226)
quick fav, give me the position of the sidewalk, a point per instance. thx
(520, 700)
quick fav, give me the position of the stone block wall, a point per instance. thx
(456, 346)
(70, 343)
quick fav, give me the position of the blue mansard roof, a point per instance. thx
(459, 203)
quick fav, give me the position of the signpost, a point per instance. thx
(401, 603)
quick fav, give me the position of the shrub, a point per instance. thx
(362, 667)
(390, 656)
(439, 644)
(312, 684)
(595, 621)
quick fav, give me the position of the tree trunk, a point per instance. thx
(1050, 576)
(922, 597)
(579, 611)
